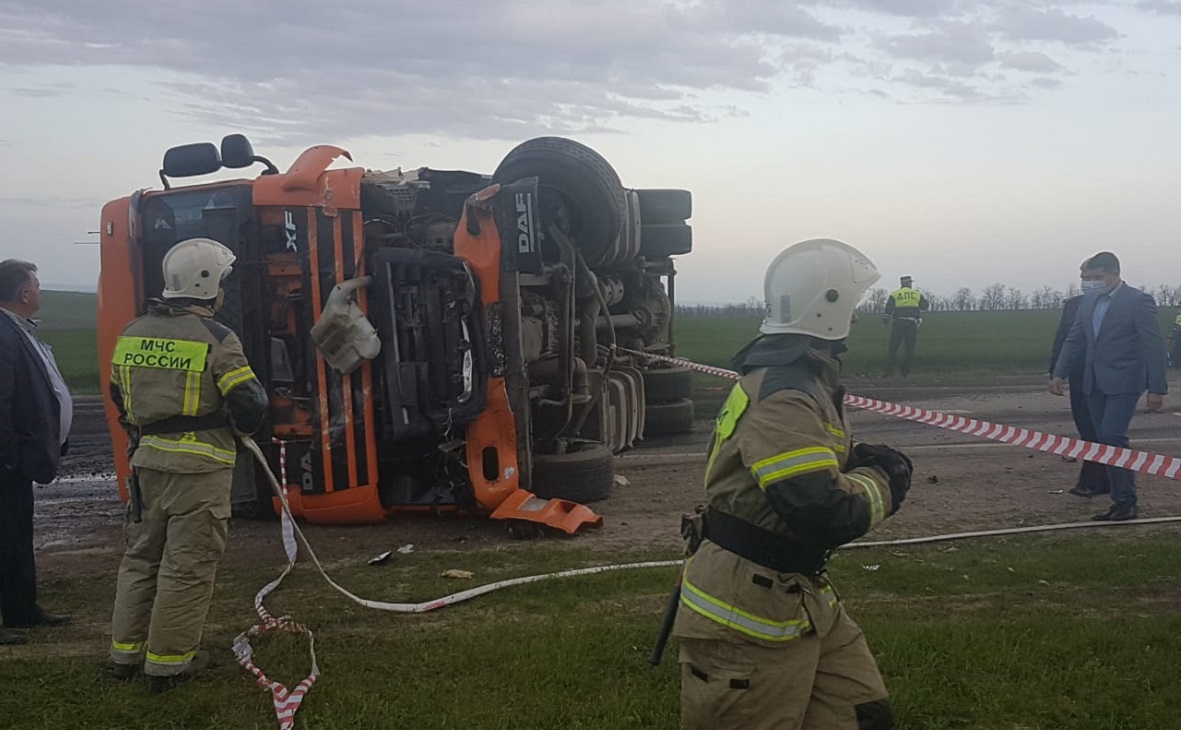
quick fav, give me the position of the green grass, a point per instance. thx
(950, 344)
(1073, 632)
(68, 310)
(76, 353)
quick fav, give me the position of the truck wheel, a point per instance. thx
(662, 241)
(667, 384)
(664, 419)
(586, 475)
(575, 177)
(660, 206)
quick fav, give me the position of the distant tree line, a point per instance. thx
(995, 297)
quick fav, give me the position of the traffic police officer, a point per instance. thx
(765, 642)
(183, 389)
(905, 307)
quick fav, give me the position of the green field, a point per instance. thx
(1077, 632)
(952, 346)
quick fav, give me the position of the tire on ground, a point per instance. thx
(667, 384)
(582, 176)
(661, 241)
(663, 419)
(659, 206)
(586, 475)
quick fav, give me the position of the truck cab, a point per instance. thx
(499, 314)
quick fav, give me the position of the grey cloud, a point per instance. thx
(315, 70)
(951, 89)
(15, 204)
(33, 93)
(1046, 83)
(447, 66)
(1164, 7)
(903, 8)
(1031, 61)
(957, 43)
(1020, 22)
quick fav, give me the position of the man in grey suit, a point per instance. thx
(1117, 339)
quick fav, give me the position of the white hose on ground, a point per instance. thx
(490, 587)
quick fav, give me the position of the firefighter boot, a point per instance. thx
(196, 665)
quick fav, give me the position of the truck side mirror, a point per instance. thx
(237, 152)
(190, 160)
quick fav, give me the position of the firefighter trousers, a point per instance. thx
(826, 679)
(166, 578)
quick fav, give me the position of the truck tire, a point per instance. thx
(664, 419)
(662, 241)
(583, 476)
(660, 206)
(667, 384)
(569, 172)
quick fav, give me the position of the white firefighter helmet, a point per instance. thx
(813, 288)
(195, 268)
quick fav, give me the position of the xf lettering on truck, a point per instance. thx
(290, 229)
(525, 240)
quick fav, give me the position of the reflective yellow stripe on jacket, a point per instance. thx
(234, 378)
(192, 394)
(188, 445)
(791, 463)
(838, 434)
(873, 492)
(735, 618)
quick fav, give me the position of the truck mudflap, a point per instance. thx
(560, 514)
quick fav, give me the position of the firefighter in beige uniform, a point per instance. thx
(183, 387)
(765, 641)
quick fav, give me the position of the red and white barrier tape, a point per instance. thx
(286, 701)
(1141, 461)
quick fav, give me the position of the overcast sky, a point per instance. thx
(963, 142)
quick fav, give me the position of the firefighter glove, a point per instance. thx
(895, 464)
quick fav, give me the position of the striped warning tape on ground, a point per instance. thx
(287, 701)
(1141, 461)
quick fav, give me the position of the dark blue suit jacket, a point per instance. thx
(1126, 355)
(30, 447)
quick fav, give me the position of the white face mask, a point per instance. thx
(1091, 287)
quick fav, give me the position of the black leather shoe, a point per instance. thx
(1083, 491)
(43, 619)
(12, 638)
(1117, 513)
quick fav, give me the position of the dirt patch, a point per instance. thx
(961, 484)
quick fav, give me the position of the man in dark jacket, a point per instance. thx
(35, 416)
(1117, 340)
(1092, 477)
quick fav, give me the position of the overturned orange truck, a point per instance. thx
(492, 383)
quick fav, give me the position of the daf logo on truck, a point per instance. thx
(525, 240)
